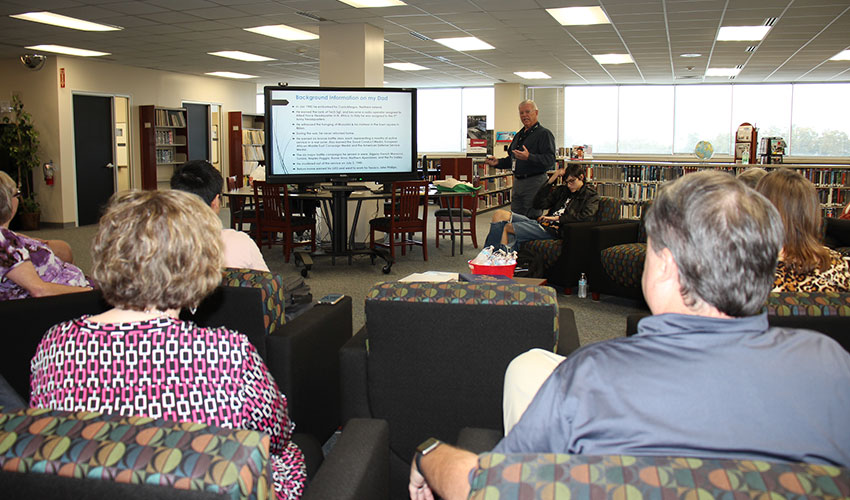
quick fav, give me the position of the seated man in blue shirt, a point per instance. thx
(573, 201)
(705, 376)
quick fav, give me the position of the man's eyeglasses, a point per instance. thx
(571, 180)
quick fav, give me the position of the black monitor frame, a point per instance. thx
(330, 175)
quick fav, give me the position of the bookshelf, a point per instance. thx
(636, 182)
(247, 143)
(163, 144)
(495, 185)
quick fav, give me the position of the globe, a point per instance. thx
(704, 150)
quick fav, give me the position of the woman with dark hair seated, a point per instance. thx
(805, 264)
(155, 253)
(29, 267)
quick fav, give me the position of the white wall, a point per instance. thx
(51, 107)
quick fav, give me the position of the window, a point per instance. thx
(703, 113)
(820, 126)
(590, 117)
(767, 107)
(646, 119)
(441, 116)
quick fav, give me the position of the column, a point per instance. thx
(351, 55)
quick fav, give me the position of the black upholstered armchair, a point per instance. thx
(432, 357)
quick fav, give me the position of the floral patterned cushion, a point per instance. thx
(271, 288)
(551, 476)
(624, 263)
(464, 293)
(136, 450)
(808, 304)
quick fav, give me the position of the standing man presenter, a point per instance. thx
(530, 155)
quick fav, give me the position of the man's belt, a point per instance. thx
(525, 176)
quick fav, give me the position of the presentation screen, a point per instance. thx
(317, 134)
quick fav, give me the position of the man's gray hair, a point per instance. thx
(528, 101)
(724, 237)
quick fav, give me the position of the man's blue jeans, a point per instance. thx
(525, 229)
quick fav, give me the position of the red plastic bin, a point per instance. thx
(493, 270)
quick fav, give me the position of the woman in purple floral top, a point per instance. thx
(155, 253)
(29, 267)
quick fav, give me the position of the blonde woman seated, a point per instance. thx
(155, 253)
(805, 264)
(30, 267)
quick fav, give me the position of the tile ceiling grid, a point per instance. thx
(655, 32)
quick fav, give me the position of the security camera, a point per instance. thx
(33, 61)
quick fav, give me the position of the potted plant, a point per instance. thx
(20, 139)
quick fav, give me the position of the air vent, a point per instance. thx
(688, 77)
(751, 48)
(770, 21)
(731, 77)
(740, 66)
(416, 34)
(503, 80)
(311, 16)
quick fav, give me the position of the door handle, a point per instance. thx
(109, 165)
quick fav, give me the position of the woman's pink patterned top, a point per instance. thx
(172, 369)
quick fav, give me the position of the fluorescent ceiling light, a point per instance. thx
(283, 32)
(464, 43)
(722, 71)
(45, 17)
(742, 33)
(230, 74)
(532, 75)
(690, 55)
(405, 66)
(71, 51)
(844, 55)
(240, 56)
(613, 58)
(579, 16)
(363, 4)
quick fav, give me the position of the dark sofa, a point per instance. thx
(302, 354)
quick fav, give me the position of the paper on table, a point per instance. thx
(430, 276)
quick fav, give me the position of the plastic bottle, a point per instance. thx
(582, 286)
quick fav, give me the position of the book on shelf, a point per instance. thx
(253, 137)
(253, 152)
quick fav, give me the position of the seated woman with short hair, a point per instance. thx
(29, 267)
(155, 253)
(805, 264)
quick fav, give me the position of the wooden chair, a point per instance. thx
(468, 210)
(275, 216)
(404, 219)
(240, 211)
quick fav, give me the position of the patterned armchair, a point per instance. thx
(58, 454)
(564, 264)
(432, 357)
(543, 476)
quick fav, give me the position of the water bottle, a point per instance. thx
(582, 286)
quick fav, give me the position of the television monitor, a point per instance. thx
(329, 134)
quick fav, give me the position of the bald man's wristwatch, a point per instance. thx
(423, 449)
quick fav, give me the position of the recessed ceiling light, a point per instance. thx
(532, 75)
(613, 58)
(283, 32)
(464, 43)
(690, 55)
(363, 4)
(742, 33)
(64, 21)
(230, 74)
(405, 66)
(722, 71)
(844, 55)
(240, 56)
(579, 16)
(71, 51)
